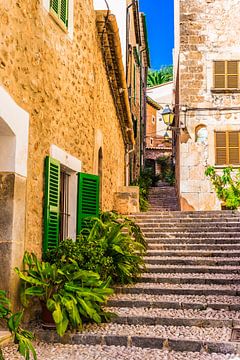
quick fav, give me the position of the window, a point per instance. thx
(153, 119)
(151, 141)
(226, 74)
(59, 9)
(227, 146)
(64, 205)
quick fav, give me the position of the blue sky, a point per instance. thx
(160, 21)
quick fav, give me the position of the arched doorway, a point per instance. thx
(14, 123)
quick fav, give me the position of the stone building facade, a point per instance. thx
(56, 99)
(207, 101)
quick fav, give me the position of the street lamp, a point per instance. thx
(168, 116)
(166, 136)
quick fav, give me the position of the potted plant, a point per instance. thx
(72, 295)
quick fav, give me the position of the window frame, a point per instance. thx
(226, 75)
(64, 205)
(70, 27)
(228, 147)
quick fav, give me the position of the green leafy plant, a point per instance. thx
(71, 294)
(13, 321)
(144, 181)
(111, 246)
(158, 77)
(227, 185)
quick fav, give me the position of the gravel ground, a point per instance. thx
(195, 258)
(177, 313)
(179, 298)
(79, 352)
(192, 275)
(183, 286)
(153, 266)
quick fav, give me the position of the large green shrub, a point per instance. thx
(227, 185)
(13, 321)
(71, 294)
(111, 246)
(144, 181)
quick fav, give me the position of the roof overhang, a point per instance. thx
(112, 54)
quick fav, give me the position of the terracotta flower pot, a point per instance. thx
(47, 319)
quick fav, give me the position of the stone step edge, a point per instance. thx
(179, 345)
(175, 321)
(172, 305)
(197, 269)
(175, 291)
(188, 280)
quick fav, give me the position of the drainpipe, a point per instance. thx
(127, 159)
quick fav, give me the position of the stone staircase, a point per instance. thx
(163, 198)
(187, 303)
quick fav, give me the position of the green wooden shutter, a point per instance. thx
(51, 203)
(64, 12)
(88, 198)
(54, 5)
(60, 9)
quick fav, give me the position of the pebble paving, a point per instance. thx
(79, 352)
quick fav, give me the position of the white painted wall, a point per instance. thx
(119, 9)
(14, 126)
(163, 95)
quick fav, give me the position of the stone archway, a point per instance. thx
(14, 123)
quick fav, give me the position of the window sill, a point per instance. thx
(225, 91)
(224, 166)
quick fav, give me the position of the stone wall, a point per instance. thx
(209, 30)
(62, 84)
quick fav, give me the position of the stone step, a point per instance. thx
(179, 289)
(191, 234)
(186, 269)
(176, 317)
(196, 253)
(210, 261)
(200, 302)
(191, 278)
(188, 215)
(166, 338)
(187, 241)
(187, 225)
(192, 247)
(190, 230)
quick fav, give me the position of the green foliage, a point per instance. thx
(111, 246)
(167, 170)
(145, 181)
(72, 295)
(13, 321)
(158, 77)
(227, 186)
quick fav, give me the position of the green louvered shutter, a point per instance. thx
(64, 12)
(88, 198)
(55, 6)
(51, 203)
(60, 9)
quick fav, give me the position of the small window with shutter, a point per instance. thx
(227, 146)
(59, 10)
(226, 75)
